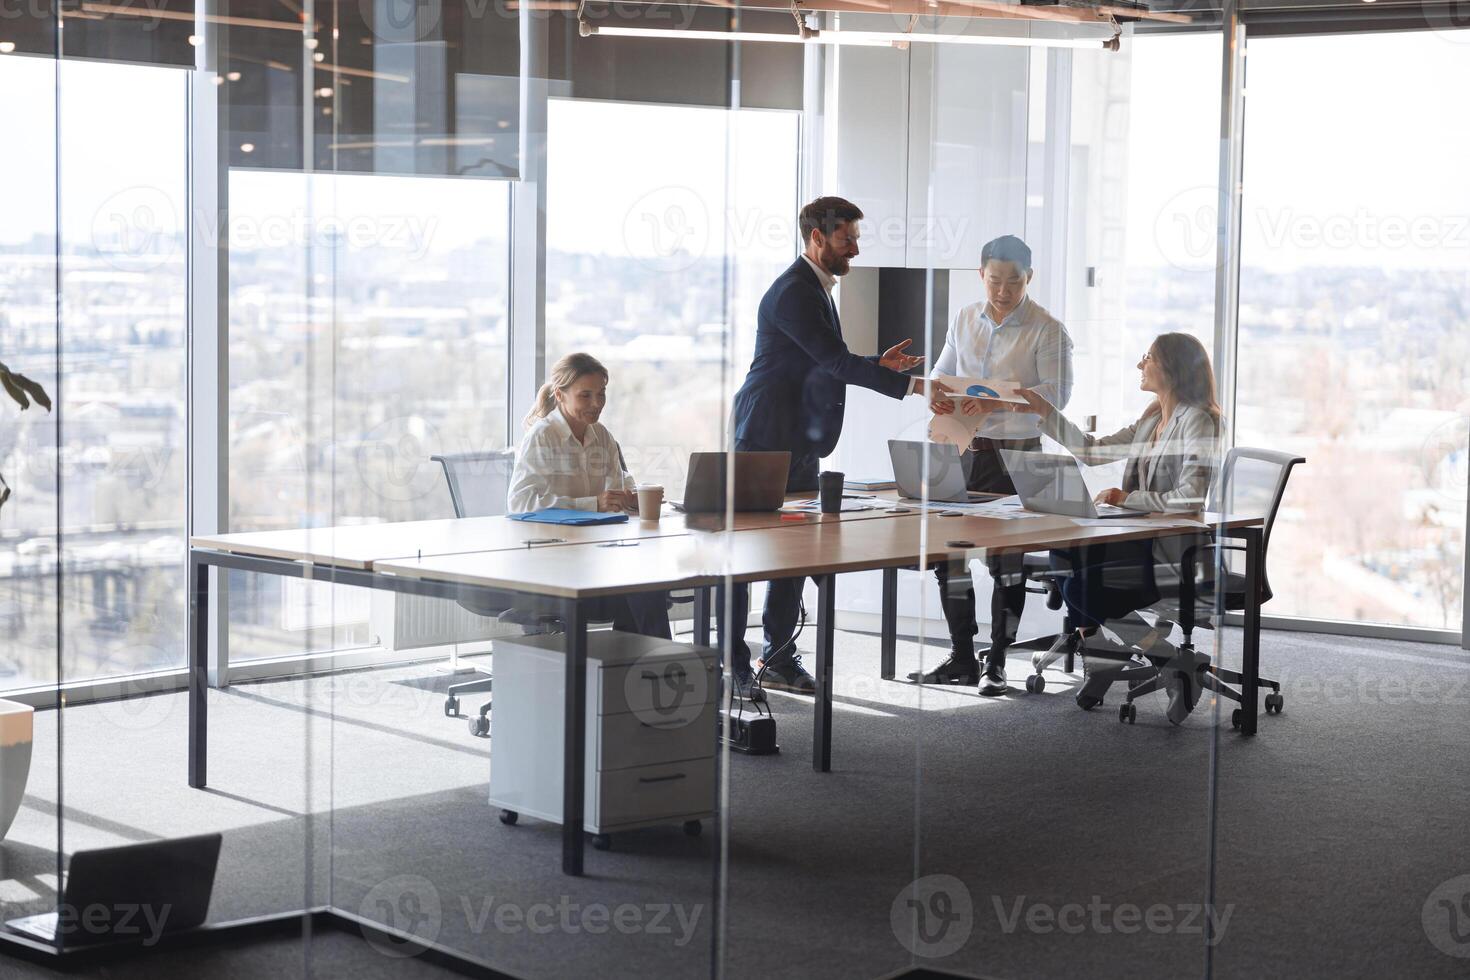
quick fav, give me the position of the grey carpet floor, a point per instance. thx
(1068, 844)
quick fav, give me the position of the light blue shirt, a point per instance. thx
(1030, 347)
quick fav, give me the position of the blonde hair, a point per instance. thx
(564, 374)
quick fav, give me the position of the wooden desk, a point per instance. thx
(359, 545)
(560, 579)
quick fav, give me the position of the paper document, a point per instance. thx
(1004, 509)
(1004, 391)
(815, 506)
(957, 428)
(1141, 522)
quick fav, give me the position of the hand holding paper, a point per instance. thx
(976, 398)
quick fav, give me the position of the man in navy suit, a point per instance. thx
(792, 401)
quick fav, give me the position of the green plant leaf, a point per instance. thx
(35, 390)
(14, 390)
(17, 386)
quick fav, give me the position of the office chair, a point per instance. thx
(1252, 481)
(478, 486)
(478, 483)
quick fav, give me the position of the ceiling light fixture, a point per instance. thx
(871, 39)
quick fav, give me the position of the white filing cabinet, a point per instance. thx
(651, 731)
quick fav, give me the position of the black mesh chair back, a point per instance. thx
(1252, 483)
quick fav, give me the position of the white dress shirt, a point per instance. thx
(554, 469)
(828, 281)
(1030, 347)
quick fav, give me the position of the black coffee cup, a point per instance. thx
(830, 485)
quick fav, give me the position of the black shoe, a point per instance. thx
(1097, 676)
(787, 674)
(746, 687)
(993, 679)
(957, 669)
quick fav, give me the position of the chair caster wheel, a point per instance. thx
(1237, 717)
(602, 842)
(1127, 713)
(509, 817)
(693, 828)
(1274, 703)
(451, 707)
(1087, 702)
(1035, 684)
(479, 726)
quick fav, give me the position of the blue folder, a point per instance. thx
(566, 515)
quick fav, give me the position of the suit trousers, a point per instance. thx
(783, 596)
(1008, 594)
(645, 612)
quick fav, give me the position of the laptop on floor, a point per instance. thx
(128, 894)
(759, 484)
(944, 479)
(1053, 484)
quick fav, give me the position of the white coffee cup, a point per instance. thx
(650, 501)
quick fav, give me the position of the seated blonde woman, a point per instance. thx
(1171, 454)
(568, 459)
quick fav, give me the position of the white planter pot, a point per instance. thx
(17, 725)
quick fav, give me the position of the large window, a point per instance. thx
(1355, 319)
(108, 142)
(368, 331)
(657, 257)
(1173, 187)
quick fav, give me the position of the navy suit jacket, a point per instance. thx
(793, 396)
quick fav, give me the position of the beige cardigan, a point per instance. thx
(1171, 473)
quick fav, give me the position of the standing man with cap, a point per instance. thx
(792, 401)
(1006, 337)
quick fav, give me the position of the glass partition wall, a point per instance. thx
(299, 273)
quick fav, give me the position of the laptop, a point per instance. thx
(132, 893)
(760, 482)
(944, 480)
(1051, 484)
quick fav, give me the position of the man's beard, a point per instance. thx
(837, 265)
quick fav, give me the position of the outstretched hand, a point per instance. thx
(1036, 400)
(895, 359)
(938, 394)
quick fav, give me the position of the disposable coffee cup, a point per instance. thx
(650, 501)
(830, 486)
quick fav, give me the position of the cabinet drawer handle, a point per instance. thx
(662, 779)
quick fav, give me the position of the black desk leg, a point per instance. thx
(198, 672)
(1250, 666)
(888, 640)
(574, 734)
(701, 617)
(822, 710)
